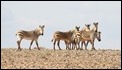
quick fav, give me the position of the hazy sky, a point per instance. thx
(60, 16)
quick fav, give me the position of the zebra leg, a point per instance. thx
(86, 44)
(70, 46)
(31, 44)
(54, 44)
(59, 44)
(92, 46)
(78, 46)
(82, 45)
(73, 46)
(37, 44)
(18, 42)
(66, 45)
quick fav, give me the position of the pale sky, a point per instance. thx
(60, 16)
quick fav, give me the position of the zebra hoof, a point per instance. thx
(19, 49)
(78, 49)
(81, 49)
(93, 49)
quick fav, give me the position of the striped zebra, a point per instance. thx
(30, 35)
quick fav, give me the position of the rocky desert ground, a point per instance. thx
(60, 59)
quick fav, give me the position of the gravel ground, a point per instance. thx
(60, 59)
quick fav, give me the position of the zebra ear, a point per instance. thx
(43, 26)
(99, 32)
(76, 27)
(40, 26)
(93, 23)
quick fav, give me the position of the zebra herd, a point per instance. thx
(71, 38)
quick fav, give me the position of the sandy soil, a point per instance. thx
(64, 59)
